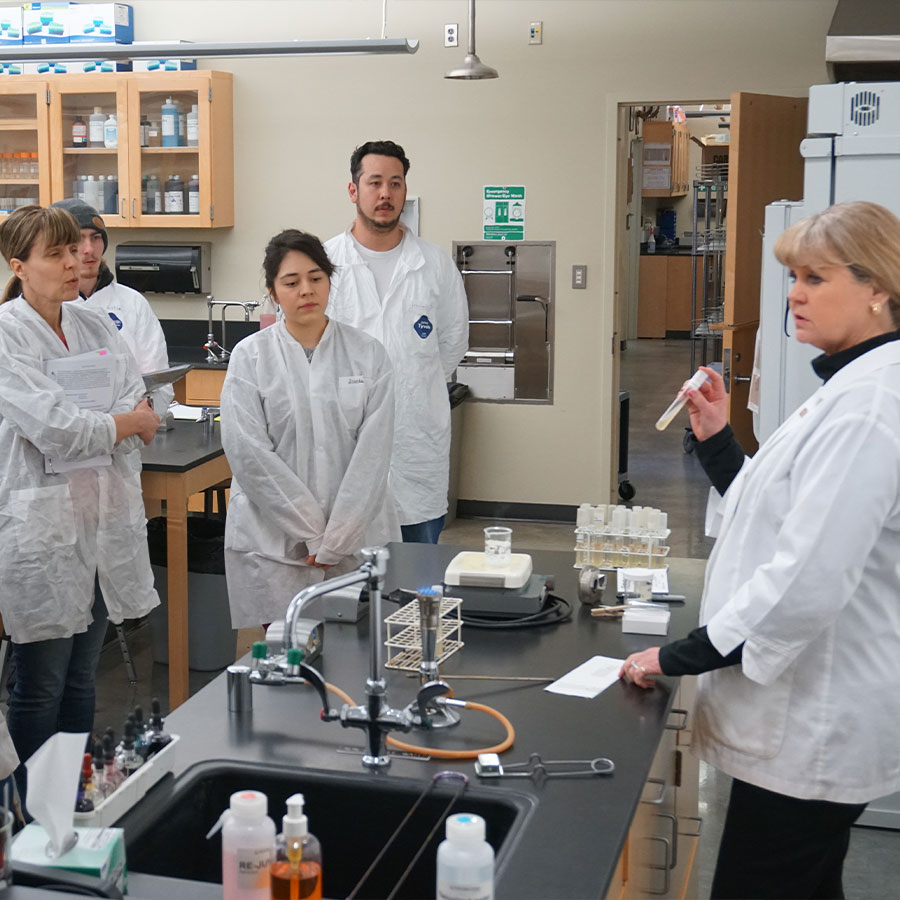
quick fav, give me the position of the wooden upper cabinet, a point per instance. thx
(24, 144)
(665, 159)
(133, 97)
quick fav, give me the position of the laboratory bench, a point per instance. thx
(579, 837)
(571, 844)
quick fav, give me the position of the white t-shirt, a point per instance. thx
(382, 264)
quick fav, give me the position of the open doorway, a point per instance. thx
(663, 316)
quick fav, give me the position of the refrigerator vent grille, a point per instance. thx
(864, 108)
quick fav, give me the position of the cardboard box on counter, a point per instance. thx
(101, 23)
(10, 26)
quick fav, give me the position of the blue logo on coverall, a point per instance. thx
(423, 327)
(117, 320)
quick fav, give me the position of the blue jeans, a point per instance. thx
(423, 532)
(54, 687)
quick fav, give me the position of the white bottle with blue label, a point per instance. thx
(169, 124)
(465, 861)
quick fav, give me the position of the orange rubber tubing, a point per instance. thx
(439, 753)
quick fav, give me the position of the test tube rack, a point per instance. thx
(613, 537)
(404, 637)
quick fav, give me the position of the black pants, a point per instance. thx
(781, 848)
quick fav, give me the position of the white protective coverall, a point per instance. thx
(424, 325)
(57, 530)
(806, 572)
(309, 445)
(140, 329)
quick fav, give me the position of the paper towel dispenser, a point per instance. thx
(164, 268)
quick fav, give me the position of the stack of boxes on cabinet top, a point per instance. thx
(59, 22)
(613, 537)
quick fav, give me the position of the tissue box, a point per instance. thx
(10, 25)
(45, 23)
(132, 789)
(101, 23)
(645, 620)
(100, 852)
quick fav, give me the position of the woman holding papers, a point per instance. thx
(71, 414)
(307, 425)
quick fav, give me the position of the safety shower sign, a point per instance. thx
(504, 213)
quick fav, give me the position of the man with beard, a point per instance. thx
(408, 294)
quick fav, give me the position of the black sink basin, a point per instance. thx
(352, 815)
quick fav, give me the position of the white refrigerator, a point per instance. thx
(852, 152)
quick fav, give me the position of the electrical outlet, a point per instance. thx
(451, 35)
(579, 277)
(536, 33)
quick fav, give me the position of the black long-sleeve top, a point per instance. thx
(722, 457)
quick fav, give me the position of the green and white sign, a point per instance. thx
(504, 213)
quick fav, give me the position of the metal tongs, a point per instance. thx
(488, 766)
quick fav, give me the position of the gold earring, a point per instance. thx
(876, 309)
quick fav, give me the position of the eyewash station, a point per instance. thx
(416, 687)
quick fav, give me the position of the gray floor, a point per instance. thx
(663, 476)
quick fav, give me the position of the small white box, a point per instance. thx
(131, 790)
(45, 23)
(101, 23)
(10, 25)
(645, 620)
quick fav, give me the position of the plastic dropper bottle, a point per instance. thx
(693, 384)
(465, 861)
(297, 872)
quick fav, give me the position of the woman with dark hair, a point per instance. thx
(66, 522)
(799, 648)
(307, 425)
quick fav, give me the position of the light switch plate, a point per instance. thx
(579, 277)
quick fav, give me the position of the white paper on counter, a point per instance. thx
(660, 584)
(53, 773)
(588, 679)
(186, 413)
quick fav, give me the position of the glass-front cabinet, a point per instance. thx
(89, 123)
(147, 150)
(24, 146)
(183, 157)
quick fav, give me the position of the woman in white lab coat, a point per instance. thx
(800, 639)
(70, 492)
(307, 424)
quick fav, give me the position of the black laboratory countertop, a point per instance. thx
(181, 448)
(623, 723)
(686, 250)
(577, 827)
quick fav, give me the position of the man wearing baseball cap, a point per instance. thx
(128, 309)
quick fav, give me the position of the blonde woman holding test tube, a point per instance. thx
(800, 640)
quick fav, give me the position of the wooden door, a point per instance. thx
(764, 165)
(24, 144)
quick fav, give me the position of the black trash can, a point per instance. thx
(212, 642)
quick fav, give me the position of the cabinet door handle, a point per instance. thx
(122, 207)
(673, 820)
(698, 821)
(660, 782)
(681, 725)
(665, 868)
(132, 208)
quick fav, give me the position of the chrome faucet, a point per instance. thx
(375, 716)
(216, 352)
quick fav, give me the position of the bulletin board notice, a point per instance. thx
(504, 213)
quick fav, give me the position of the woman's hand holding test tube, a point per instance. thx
(708, 406)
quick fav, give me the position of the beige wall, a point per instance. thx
(548, 122)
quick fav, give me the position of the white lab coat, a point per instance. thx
(806, 572)
(57, 530)
(309, 445)
(424, 325)
(141, 331)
